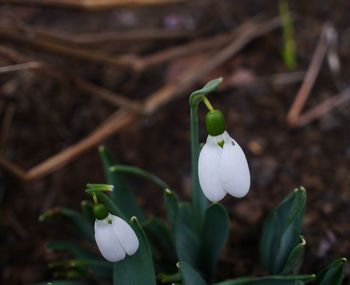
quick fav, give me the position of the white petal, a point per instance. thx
(108, 245)
(125, 235)
(234, 170)
(208, 170)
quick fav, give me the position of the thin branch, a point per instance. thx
(20, 66)
(58, 73)
(246, 33)
(98, 39)
(323, 108)
(123, 118)
(92, 4)
(311, 75)
(114, 123)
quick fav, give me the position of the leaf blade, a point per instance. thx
(137, 269)
(189, 275)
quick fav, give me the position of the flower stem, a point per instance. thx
(207, 103)
(199, 202)
(94, 198)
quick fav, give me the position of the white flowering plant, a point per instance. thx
(184, 247)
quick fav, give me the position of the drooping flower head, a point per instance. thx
(222, 165)
(114, 237)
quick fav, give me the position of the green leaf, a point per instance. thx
(156, 228)
(121, 195)
(214, 236)
(269, 280)
(79, 223)
(100, 268)
(161, 242)
(171, 204)
(295, 258)
(60, 282)
(189, 275)
(186, 240)
(281, 231)
(119, 168)
(87, 208)
(70, 247)
(333, 274)
(289, 45)
(180, 218)
(137, 269)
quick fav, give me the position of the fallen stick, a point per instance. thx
(164, 95)
(27, 36)
(247, 32)
(310, 77)
(20, 66)
(56, 72)
(92, 4)
(323, 108)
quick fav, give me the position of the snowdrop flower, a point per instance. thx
(114, 237)
(222, 165)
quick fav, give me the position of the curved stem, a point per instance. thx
(207, 103)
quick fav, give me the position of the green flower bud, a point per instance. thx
(100, 211)
(215, 123)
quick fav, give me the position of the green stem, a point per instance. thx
(207, 103)
(199, 202)
(140, 172)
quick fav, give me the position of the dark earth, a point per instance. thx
(50, 116)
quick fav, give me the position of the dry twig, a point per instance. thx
(323, 108)
(62, 75)
(311, 75)
(92, 4)
(164, 95)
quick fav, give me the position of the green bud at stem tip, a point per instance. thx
(215, 123)
(100, 211)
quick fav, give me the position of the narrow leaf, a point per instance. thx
(161, 242)
(333, 274)
(295, 258)
(171, 205)
(60, 282)
(79, 223)
(186, 240)
(70, 247)
(269, 280)
(189, 275)
(121, 195)
(100, 268)
(137, 269)
(87, 208)
(214, 236)
(119, 168)
(281, 231)
(180, 219)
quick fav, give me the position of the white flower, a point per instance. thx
(115, 238)
(224, 169)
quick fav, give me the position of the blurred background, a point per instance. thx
(76, 74)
